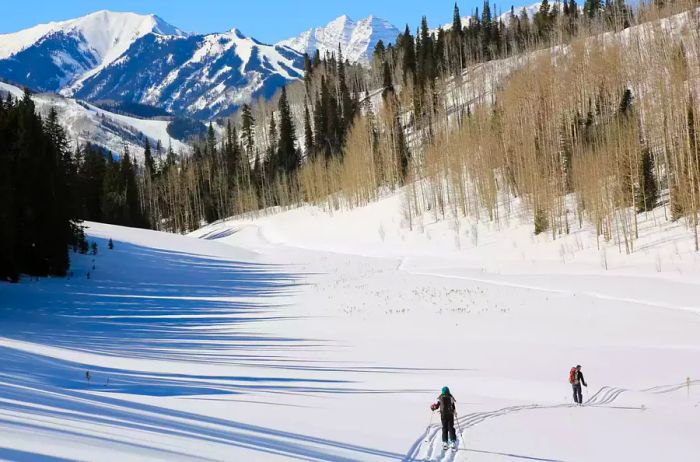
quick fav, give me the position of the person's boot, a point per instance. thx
(444, 446)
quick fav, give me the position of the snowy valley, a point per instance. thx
(307, 336)
(335, 260)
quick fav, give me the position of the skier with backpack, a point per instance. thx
(446, 404)
(576, 380)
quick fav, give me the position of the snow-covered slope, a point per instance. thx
(58, 55)
(85, 123)
(357, 39)
(298, 336)
(203, 76)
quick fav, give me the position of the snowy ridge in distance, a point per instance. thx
(59, 55)
(357, 39)
(109, 34)
(202, 76)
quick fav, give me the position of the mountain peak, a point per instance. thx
(107, 32)
(343, 18)
(357, 39)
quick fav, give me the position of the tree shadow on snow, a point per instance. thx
(153, 304)
(36, 407)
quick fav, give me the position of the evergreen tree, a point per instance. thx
(401, 149)
(592, 8)
(211, 141)
(148, 162)
(625, 102)
(272, 161)
(573, 9)
(647, 193)
(543, 20)
(38, 186)
(406, 44)
(131, 213)
(346, 105)
(426, 56)
(308, 133)
(170, 158)
(287, 153)
(248, 130)
(91, 178)
(388, 82)
(233, 155)
(159, 154)
(456, 22)
(112, 194)
(379, 52)
(320, 125)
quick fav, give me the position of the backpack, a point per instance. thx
(572, 376)
(446, 404)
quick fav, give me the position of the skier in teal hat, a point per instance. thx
(446, 403)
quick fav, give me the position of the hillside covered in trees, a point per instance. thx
(581, 112)
(592, 103)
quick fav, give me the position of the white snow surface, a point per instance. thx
(86, 123)
(356, 39)
(324, 337)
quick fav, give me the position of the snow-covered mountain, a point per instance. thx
(58, 55)
(143, 59)
(357, 39)
(86, 123)
(203, 76)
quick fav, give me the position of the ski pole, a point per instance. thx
(461, 435)
(427, 429)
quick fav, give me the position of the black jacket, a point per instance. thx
(579, 379)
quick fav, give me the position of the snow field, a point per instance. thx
(307, 336)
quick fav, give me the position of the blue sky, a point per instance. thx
(266, 20)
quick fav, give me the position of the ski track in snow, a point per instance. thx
(429, 446)
(597, 295)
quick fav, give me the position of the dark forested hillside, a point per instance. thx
(36, 191)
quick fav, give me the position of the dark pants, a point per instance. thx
(448, 427)
(578, 397)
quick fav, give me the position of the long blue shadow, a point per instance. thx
(14, 455)
(78, 406)
(151, 304)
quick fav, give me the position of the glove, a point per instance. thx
(434, 407)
